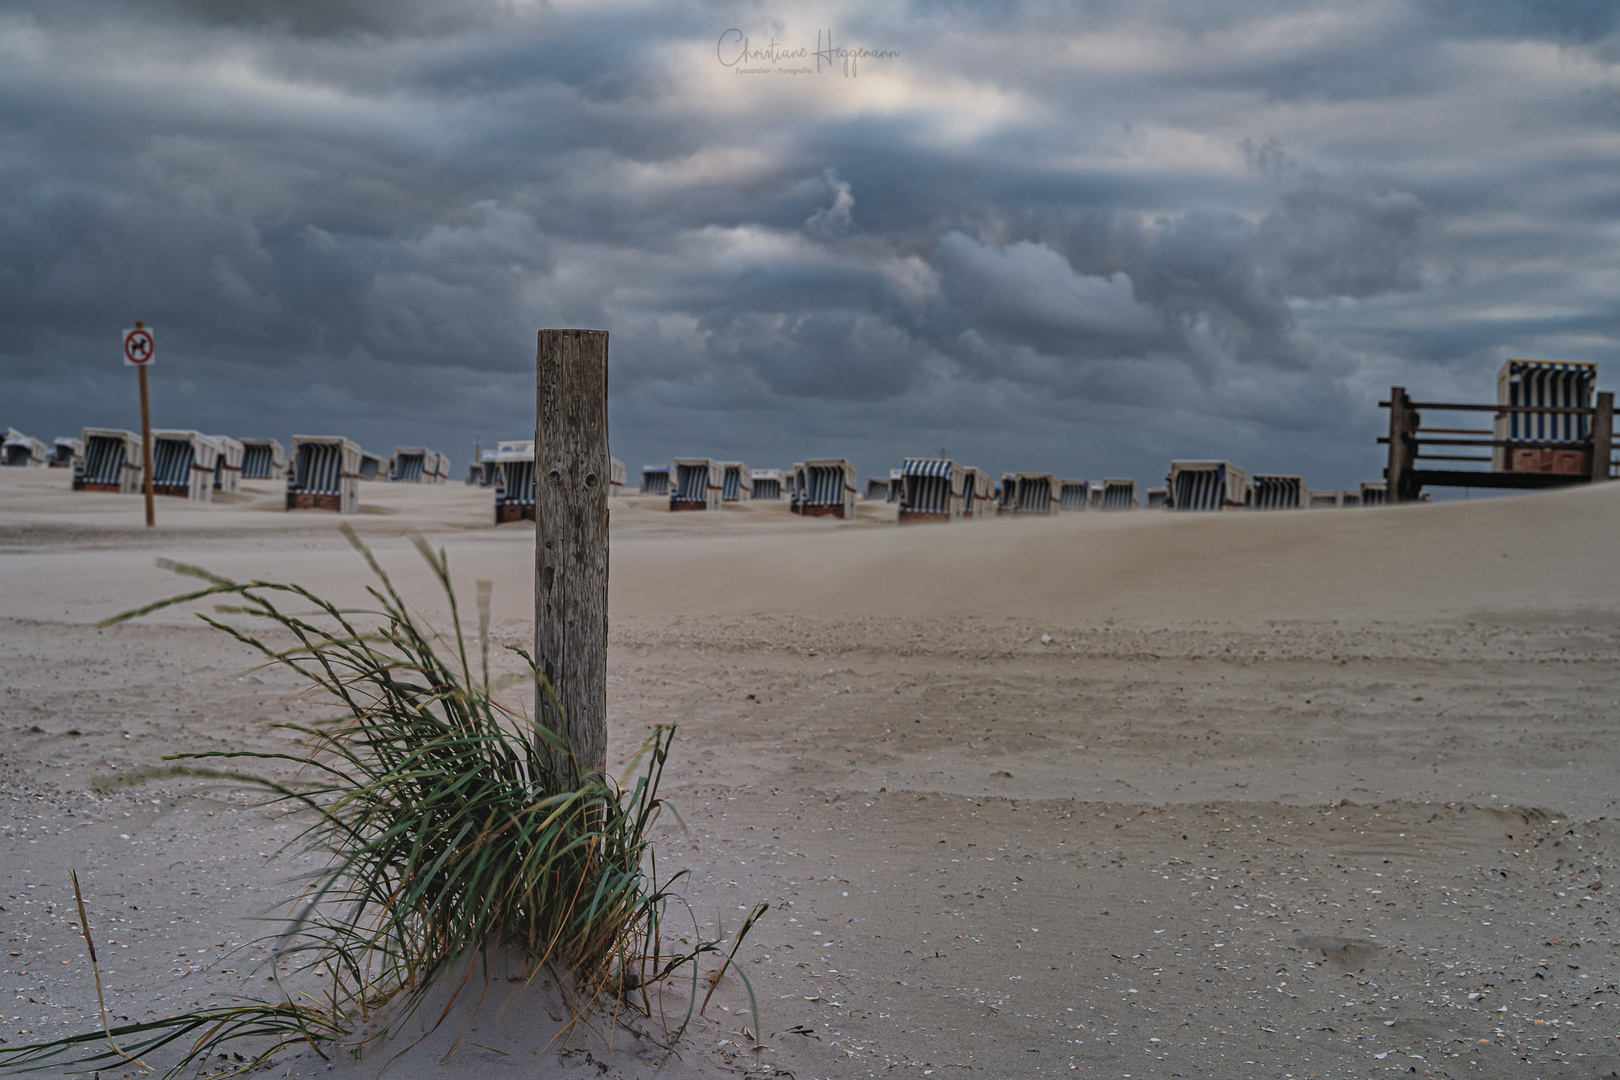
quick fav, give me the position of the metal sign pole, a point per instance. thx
(139, 352)
(146, 447)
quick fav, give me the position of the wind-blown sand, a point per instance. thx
(1319, 793)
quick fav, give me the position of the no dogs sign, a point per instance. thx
(139, 348)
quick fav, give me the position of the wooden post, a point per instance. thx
(1602, 435)
(1397, 446)
(571, 539)
(146, 442)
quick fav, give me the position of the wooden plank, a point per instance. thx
(1526, 444)
(1578, 410)
(1403, 420)
(1523, 481)
(571, 539)
(1602, 435)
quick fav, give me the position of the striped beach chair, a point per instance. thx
(695, 484)
(1117, 495)
(978, 494)
(736, 482)
(1207, 485)
(767, 484)
(263, 459)
(325, 474)
(829, 489)
(112, 462)
(183, 464)
(66, 452)
(932, 491)
(1272, 492)
(514, 481)
(655, 479)
(23, 451)
(228, 465)
(1074, 495)
(1034, 493)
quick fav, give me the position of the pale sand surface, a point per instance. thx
(1276, 795)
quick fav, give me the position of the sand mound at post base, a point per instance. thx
(497, 1018)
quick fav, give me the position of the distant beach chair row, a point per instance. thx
(823, 487)
(1221, 485)
(185, 464)
(322, 473)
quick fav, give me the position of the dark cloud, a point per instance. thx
(1084, 238)
(1029, 294)
(1348, 240)
(1573, 21)
(336, 18)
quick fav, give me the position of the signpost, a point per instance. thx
(140, 350)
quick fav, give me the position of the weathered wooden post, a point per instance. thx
(571, 540)
(1602, 435)
(1403, 422)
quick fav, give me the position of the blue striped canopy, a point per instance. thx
(516, 485)
(1549, 382)
(1201, 489)
(928, 467)
(171, 461)
(257, 460)
(104, 459)
(691, 483)
(318, 468)
(824, 485)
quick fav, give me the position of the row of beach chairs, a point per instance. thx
(323, 471)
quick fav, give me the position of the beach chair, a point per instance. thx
(112, 462)
(1074, 495)
(1034, 493)
(66, 452)
(325, 474)
(183, 464)
(228, 465)
(514, 481)
(23, 451)
(695, 484)
(1272, 492)
(829, 489)
(736, 482)
(978, 494)
(1117, 495)
(932, 492)
(1207, 485)
(263, 459)
(767, 484)
(1567, 383)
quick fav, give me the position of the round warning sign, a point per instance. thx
(139, 348)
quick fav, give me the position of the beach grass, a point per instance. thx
(446, 828)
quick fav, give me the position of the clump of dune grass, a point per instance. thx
(450, 826)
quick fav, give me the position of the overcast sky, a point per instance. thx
(1084, 238)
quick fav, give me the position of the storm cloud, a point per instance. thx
(1083, 240)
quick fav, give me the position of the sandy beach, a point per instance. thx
(1147, 795)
